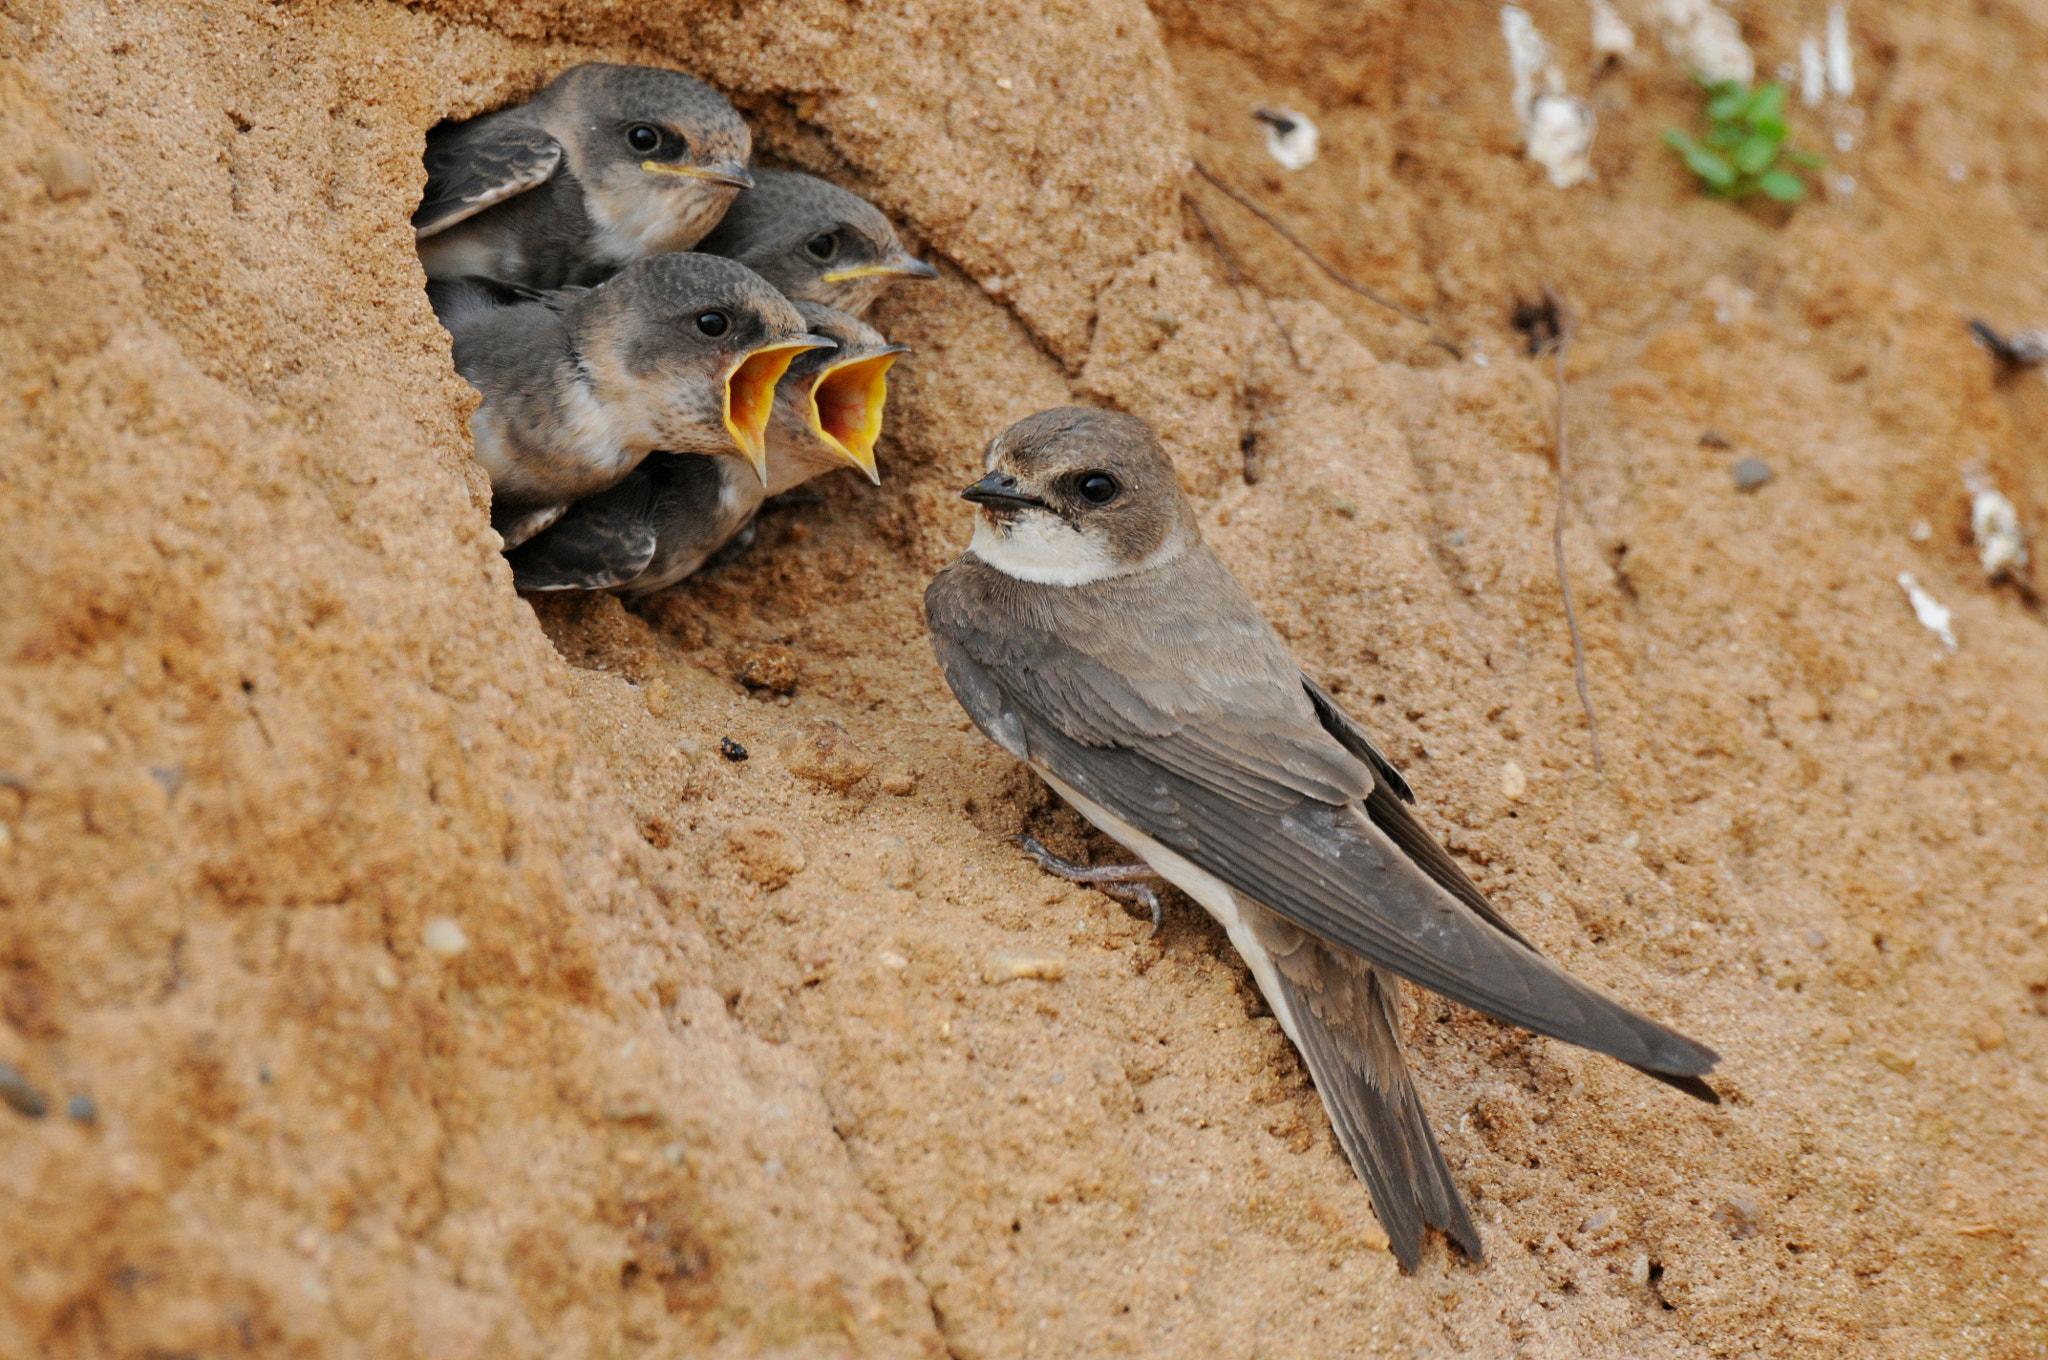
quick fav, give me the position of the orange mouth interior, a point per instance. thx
(750, 397)
(849, 399)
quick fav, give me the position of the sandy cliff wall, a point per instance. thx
(717, 1072)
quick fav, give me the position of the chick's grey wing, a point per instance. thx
(601, 542)
(1323, 865)
(476, 164)
(1346, 1013)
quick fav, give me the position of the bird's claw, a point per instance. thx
(1113, 880)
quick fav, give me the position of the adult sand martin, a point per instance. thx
(815, 241)
(607, 165)
(675, 510)
(677, 352)
(1089, 631)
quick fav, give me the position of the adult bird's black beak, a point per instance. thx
(999, 490)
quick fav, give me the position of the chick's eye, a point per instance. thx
(823, 246)
(714, 323)
(1098, 488)
(643, 138)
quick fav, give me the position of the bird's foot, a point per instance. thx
(1115, 880)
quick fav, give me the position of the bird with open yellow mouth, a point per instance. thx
(607, 165)
(815, 241)
(666, 519)
(680, 352)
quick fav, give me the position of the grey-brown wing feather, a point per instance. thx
(602, 541)
(473, 165)
(1316, 860)
(1346, 1015)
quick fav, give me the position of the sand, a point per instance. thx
(434, 986)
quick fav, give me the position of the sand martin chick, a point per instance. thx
(815, 241)
(673, 512)
(607, 165)
(678, 352)
(1090, 631)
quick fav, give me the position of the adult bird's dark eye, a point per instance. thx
(823, 246)
(714, 323)
(643, 138)
(1099, 488)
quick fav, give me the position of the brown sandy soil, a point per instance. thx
(718, 1072)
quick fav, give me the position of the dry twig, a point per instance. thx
(1571, 618)
(1237, 277)
(1319, 262)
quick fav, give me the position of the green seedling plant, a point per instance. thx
(1744, 152)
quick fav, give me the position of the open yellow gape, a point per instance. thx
(750, 398)
(846, 407)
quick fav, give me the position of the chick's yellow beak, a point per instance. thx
(750, 396)
(901, 265)
(729, 173)
(846, 407)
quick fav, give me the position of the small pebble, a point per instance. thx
(1639, 1270)
(688, 749)
(1167, 322)
(1714, 439)
(821, 752)
(65, 170)
(1597, 1220)
(1989, 1034)
(1513, 783)
(771, 667)
(385, 976)
(893, 961)
(444, 937)
(656, 697)
(15, 1090)
(81, 1108)
(1011, 965)
(1751, 473)
(1893, 1060)
(1739, 1212)
(899, 783)
(731, 750)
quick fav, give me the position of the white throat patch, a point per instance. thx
(1040, 547)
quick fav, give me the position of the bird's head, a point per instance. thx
(629, 129)
(1074, 496)
(815, 241)
(690, 347)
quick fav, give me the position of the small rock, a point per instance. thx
(764, 852)
(1639, 1270)
(1714, 439)
(1011, 965)
(689, 750)
(821, 752)
(657, 696)
(769, 666)
(1739, 1212)
(1513, 783)
(731, 750)
(445, 937)
(65, 170)
(1901, 1063)
(899, 783)
(892, 961)
(1167, 322)
(81, 1108)
(1988, 1034)
(1597, 1220)
(1751, 473)
(15, 1090)
(1835, 1033)
(385, 976)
